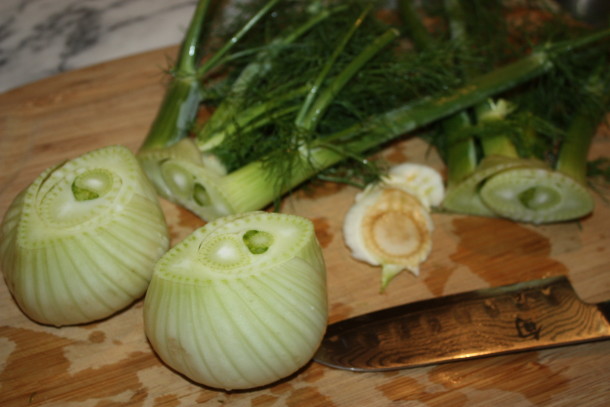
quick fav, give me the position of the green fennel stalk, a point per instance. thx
(557, 192)
(167, 137)
(493, 178)
(461, 157)
(184, 93)
(195, 174)
(229, 112)
(252, 187)
(183, 170)
(532, 188)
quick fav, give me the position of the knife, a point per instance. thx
(518, 317)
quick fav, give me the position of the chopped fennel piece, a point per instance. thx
(464, 196)
(390, 224)
(419, 180)
(537, 195)
(181, 174)
(543, 195)
(390, 227)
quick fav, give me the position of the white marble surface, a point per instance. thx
(41, 38)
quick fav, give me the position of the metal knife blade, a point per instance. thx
(525, 316)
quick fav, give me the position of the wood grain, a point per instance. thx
(110, 363)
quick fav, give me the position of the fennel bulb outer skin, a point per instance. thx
(241, 302)
(80, 242)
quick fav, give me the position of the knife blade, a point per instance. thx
(518, 317)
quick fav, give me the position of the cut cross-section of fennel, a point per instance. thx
(422, 181)
(389, 224)
(536, 195)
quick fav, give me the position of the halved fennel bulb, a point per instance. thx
(389, 224)
(241, 302)
(80, 243)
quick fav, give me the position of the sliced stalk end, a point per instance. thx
(463, 197)
(183, 176)
(523, 190)
(536, 196)
(200, 184)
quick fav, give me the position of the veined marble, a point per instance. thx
(41, 38)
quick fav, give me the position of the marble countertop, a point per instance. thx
(41, 38)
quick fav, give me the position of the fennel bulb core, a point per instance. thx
(80, 242)
(389, 224)
(241, 302)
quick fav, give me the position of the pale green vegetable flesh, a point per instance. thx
(182, 175)
(540, 195)
(241, 302)
(491, 170)
(536, 195)
(389, 224)
(525, 190)
(79, 244)
(464, 196)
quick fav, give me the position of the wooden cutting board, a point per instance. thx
(110, 363)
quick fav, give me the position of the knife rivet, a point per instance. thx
(434, 324)
(527, 328)
(491, 308)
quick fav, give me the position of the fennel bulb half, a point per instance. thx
(241, 302)
(80, 242)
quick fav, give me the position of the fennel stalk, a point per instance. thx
(273, 131)
(488, 173)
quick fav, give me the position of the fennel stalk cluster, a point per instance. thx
(320, 85)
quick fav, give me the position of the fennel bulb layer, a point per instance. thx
(80, 243)
(241, 302)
